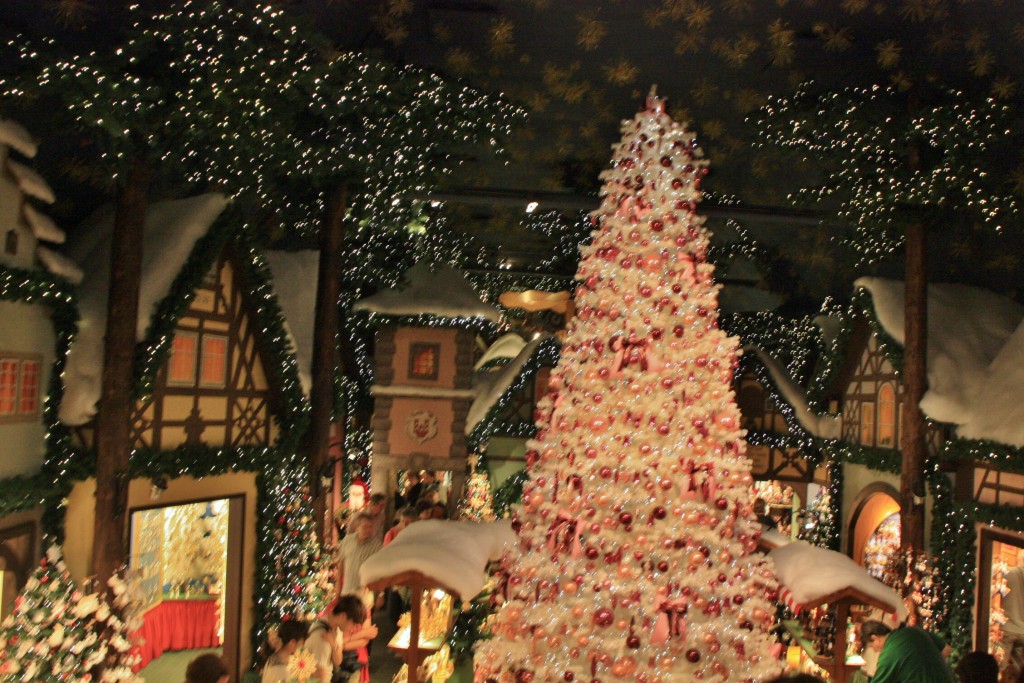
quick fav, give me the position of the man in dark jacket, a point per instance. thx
(906, 655)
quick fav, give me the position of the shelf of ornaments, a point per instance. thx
(811, 661)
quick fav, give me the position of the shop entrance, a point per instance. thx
(875, 530)
(187, 557)
(1000, 623)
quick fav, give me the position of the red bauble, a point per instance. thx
(632, 642)
(659, 512)
(721, 503)
(603, 617)
(692, 656)
(626, 518)
(524, 676)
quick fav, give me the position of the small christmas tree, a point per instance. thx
(637, 532)
(477, 506)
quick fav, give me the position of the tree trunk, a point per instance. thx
(325, 353)
(915, 353)
(113, 417)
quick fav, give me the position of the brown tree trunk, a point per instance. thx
(113, 416)
(325, 353)
(915, 382)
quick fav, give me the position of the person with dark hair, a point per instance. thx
(439, 511)
(906, 655)
(425, 508)
(208, 668)
(977, 667)
(290, 637)
(340, 629)
(413, 487)
(406, 516)
(376, 508)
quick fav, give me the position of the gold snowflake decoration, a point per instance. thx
(943, 40)
(854, 6)
(781, 40)
(748, 99)
(501, 36)
(834, 39)
(901, 81)
(560, 83)
(592, 31)
(1018, 181)
(536, 101)
(739, 8)
(399, 8)
(459, 61)
(705, 92)
(977, 41)
(688, 42)
(442, 32)
(622, 72)
(393, 29)
(888, 54)
(72, 13)
(737, 52)
(699, 15)
(1018, 33)
(920, 11)
(962, 250)
(1003, 88)
(981, 64)
(714, 129)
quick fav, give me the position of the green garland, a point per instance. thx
(509, 494)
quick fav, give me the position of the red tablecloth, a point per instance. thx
(177, 625)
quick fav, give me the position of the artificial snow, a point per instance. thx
(773, 538)
(506, 347)
(824, 426)
(455, 554)
(419, 392)
(295, 275)
(14, 135)
(60, 265)
(42, 225)
(830, 327)
(974, 356)
(445, 293)
(809, 573)
(490, 387)
(171, 230)
(30, 182)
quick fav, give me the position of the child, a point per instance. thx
(291, 636)
(406, 516)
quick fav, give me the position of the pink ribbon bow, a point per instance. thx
(564, 535)
(671, 620)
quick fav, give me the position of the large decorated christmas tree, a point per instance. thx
(636, 529)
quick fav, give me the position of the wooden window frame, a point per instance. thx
(879, 413)
(171, 381)
(203, 382)
(865, 408)
(418, 347)
(19, 359)
(36, 387)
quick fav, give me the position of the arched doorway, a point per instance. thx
(875, 527)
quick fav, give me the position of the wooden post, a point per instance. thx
(325, 355)
(915, 383)
(839, 675)
(412, 657)
(114, 411)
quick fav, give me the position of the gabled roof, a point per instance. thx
(295, 282)
(171, 230)
(795, 396)
(444, 293)
(502, 351)
(975, 356)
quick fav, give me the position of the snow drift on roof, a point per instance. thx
(455, 554)
(295, 281)
(968, 328)
(171, 230)
(491, 387)
(42, 225)
(14, 135)
(30, 182)
(507, 346)
(445, 293)
(810, 573)
(60, 265)
(825, 426)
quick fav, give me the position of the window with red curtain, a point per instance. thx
(423, 361)
(28, 397)
(182, 368)
(9, 386)
(213, 364)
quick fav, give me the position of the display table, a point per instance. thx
(177, 625)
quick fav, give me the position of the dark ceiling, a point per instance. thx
(580, 66)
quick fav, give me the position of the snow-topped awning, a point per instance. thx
(505, 348)
(14, 135)
(30, 182)
(824, 426)
(453, 554)
(445, 293)
(975, 363)
(810, 575)
(490, 389)
(170, 233)
(42, 225)
(295, 275)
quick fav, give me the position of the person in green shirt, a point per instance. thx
(906, 655)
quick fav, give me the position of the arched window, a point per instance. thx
(867, 424)
(886, 416)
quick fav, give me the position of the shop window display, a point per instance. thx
(882, 545)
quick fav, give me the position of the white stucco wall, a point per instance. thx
(25, 329)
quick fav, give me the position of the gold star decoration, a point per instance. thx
(888, 54)
(622, 72)
(834, 39)
(592, 31)
(780, 39)
(501, 36)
